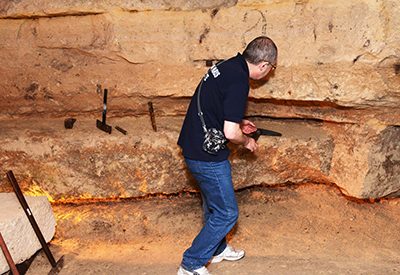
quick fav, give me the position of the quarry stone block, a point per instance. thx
(383, 177)
(16, 229)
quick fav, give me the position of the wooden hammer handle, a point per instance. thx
(8, 256)
(32, 220)
(105, 106)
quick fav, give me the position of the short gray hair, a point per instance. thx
(261, 49)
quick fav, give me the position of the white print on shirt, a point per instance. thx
(215, 71)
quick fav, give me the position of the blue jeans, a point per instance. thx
(220, 211)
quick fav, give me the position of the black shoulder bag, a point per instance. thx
(214, 139)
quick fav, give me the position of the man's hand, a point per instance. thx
(251, 144)
(233, 131)
(247, 127)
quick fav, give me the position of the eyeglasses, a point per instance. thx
(272, 65)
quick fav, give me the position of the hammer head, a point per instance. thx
(57, 267)
(262, 132)
(104, 127)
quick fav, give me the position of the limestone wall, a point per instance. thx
(56, 54)
(339, 62)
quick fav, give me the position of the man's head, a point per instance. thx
(261, 55)
(261, 49)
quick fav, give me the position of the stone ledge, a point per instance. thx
(42, 8)
(85, 162)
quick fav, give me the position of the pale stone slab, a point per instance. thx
(16, 229)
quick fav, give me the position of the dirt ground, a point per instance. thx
(302, 229)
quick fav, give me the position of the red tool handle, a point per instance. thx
(8, 256)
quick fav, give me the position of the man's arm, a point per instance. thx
(233, 132)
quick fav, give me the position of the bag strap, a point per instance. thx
(200, 113)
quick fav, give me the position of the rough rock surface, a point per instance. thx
(339, 64)
(17, 231)
(85, 162)
(55, 62)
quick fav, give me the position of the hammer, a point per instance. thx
(56, 266)
(102, 124)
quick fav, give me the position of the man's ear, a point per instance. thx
(263, 66)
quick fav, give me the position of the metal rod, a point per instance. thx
(121, 130)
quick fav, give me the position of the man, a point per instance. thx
(223, 97)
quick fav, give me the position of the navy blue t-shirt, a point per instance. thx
(223, 97)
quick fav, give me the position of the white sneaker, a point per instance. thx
(228, 254)
(200, 271)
